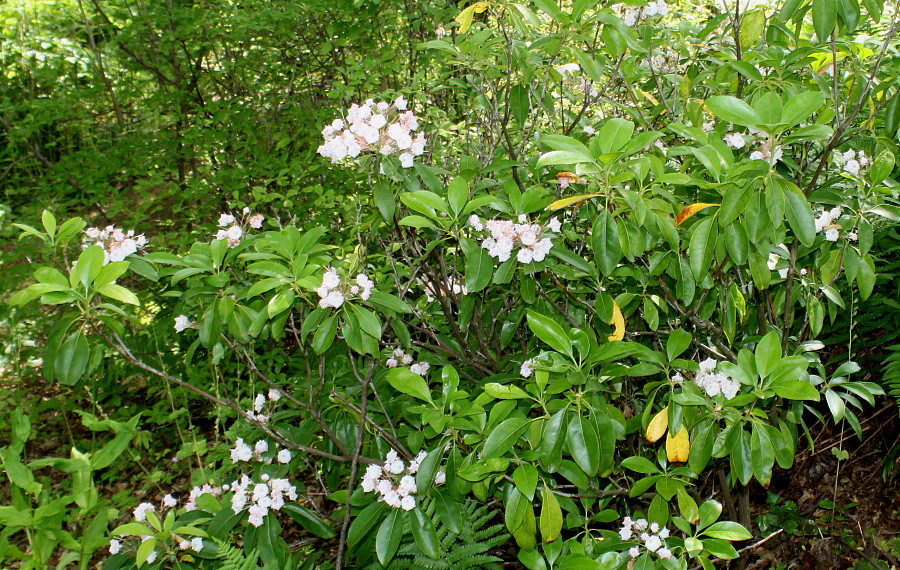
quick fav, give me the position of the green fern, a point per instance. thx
(468, 550)
(235, 559)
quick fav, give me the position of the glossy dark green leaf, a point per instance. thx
(584, 445)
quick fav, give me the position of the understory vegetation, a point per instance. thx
(546, 284)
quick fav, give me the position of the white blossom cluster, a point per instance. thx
(381, 128)
(851, 161)
(666, 62)
(826, 222)
(198, 491)
(395, 481)
(116, 244)
(635, 14)
(259, 452)
(526, 369)
(767, 150)
(398, 357)
(182, 322)
(259, 403)
(506, 235)
(775, 260)
(269, 493)
(436, 290)
(333, 294)
(651, 536)
(232, 230)
(715, 383)
(140, 515)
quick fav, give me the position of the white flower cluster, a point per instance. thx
(197, 492)
(259, 452)
(259, 403)
(505, 235)
(269, 494)
(775, 260)
(851, 161)
(182, 322)
(435, 290)
(168, 502)
(635, 14)
(116, 244)
(232, 230)
(651, 535)
(526, 369)
(767, 150)
(395, 482)
(825, 222)
(715, 383)
(664, 63)
(377, 127)
(399, 357)
(333, 294)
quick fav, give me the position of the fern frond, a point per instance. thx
(235, 559)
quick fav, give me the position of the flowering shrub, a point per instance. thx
(705, 215)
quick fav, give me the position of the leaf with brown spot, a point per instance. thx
(618, 322)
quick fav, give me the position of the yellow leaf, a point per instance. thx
(564, 202)
(691, 210)
(658, 425)
(678, 447)
(465, 17)
(618, 322)
(649, 97)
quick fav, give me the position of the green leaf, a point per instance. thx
(640, 465)
(557, 157)
(551, 519)
(795, 390)
(505, 392)
(799, 215)
(408, 382)
(479, 267)
(72, 358)
(364, 522)
(753, 24)
(733, 110)
(49, 222)
(550, 332)
(614, 135)
(584, 445)
(801, 106)
(424, 534)
(824, 14)
(768, 353)
(308, 520)
(526, 477)
(605, 239)
(728, 530)
(882, 166)
(388, 538)
(88, 266)
(702, 246)
(119, 293)
(503, 437)
(762, 455)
